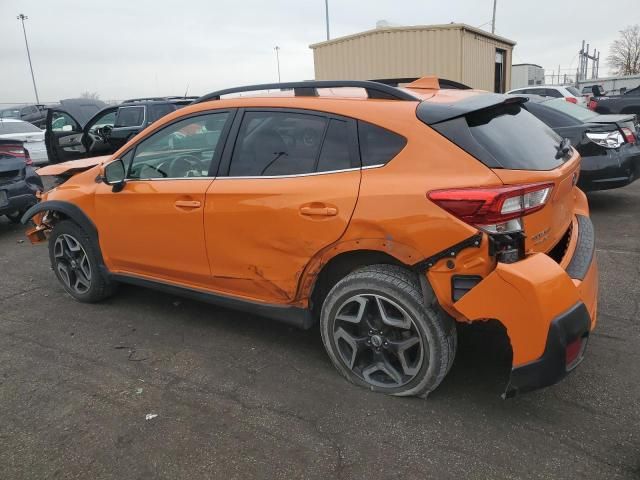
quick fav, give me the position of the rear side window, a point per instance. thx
(552, 92)
(378, 145)
(129, 117)
(505, 136)
(573, 91)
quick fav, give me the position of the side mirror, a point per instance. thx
(66, 128)
(114, 175)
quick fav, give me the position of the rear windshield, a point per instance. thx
(581, 113)
(17, 127)
(505, 136)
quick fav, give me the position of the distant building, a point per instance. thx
(611, 85)
(526, 74)
(453, 51)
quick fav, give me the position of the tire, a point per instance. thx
(77, 265)
(416, 342)
(14, 217)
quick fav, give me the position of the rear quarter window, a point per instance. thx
(378, 145)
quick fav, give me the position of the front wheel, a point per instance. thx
(380, 334)
(76, 263)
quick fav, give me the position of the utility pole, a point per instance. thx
(277, 49)
(22, 17)
(493, 19)
(326, 12)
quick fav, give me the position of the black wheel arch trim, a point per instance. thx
(69, 209)
(72, 211)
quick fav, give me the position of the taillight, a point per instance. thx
(12, 151)
(27, 158)
(628, 135)
(494, 210)
(592, 105)
(571, 99)
(16, 151)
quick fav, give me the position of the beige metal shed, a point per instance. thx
(453, 51)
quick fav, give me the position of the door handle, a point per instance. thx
(325, 211)
(187, 204)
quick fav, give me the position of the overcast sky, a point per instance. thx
(134, 48)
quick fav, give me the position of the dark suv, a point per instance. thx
(68, 137)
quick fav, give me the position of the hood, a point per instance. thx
(72, 167)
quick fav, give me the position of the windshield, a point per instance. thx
(581, 113)
(17, 127)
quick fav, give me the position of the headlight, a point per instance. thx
(606, 139)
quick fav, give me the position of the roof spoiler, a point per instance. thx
(433, 112)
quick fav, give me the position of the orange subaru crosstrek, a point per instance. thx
(387, 214)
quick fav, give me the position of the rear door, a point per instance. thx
(287, 189)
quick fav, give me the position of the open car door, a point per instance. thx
(63, 137)
(66, 139)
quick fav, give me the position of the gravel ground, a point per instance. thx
(238, 396)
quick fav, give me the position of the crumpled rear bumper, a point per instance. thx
(543, 307)
(572, 326)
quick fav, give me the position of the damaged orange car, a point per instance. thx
(387, 214)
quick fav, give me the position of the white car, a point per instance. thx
(32, 136)
(569, 93)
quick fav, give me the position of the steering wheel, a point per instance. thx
(185, 166)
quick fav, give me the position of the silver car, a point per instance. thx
(32, 136)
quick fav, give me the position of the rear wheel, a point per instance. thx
(381, 334)
(75, 261)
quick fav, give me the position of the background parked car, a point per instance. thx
(608, 144)
(629, 102)
(32, 136)
(569, 93)
(18, 180)
(70, 136)
(35, 114)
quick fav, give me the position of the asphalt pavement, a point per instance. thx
(151, 386)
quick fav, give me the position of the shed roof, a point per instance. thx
(408, 28)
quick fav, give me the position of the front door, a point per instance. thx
(289, 188)
(154, 225)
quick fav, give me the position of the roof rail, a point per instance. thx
(309, 89)
(444, 83)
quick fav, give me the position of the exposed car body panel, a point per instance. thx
(72, 166)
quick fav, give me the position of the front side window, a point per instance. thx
(63, 122)
(277, 143)
(108, 119)
(184, 149)
(129, 117)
